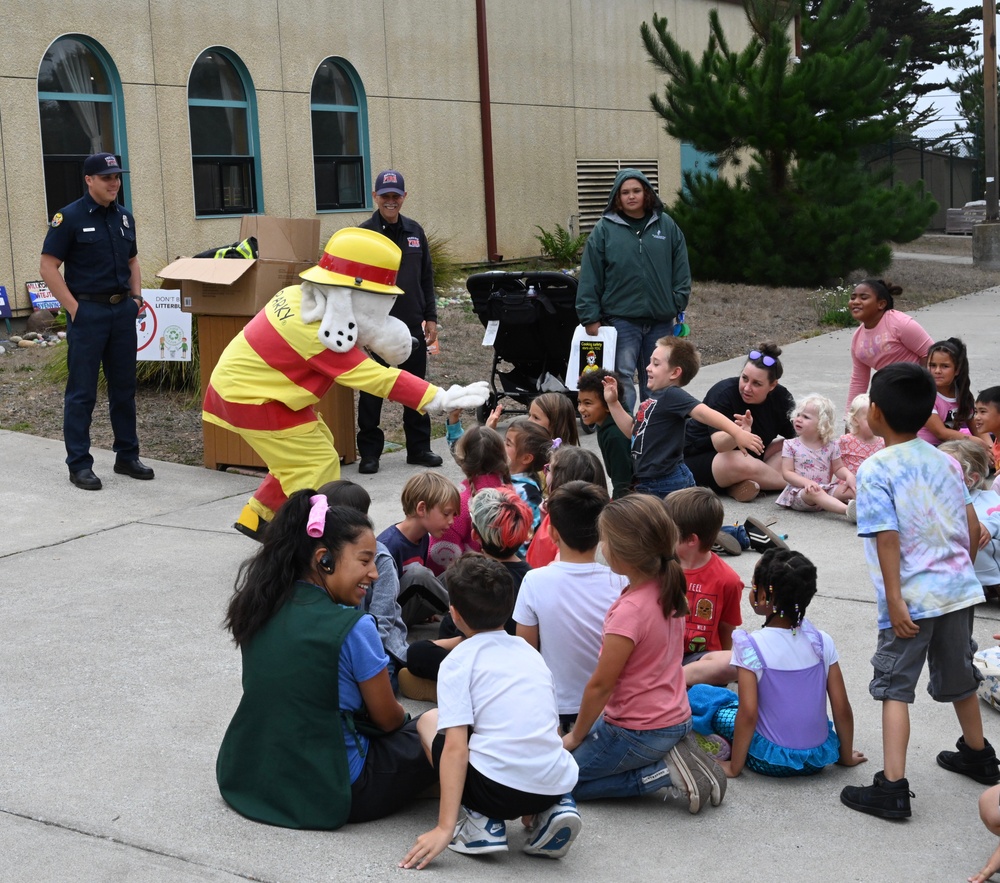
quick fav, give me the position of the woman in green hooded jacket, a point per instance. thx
(634, 275)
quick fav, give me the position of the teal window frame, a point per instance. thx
(117, 101)
(251, 160)
(361, 109)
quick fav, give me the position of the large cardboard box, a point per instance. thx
(233, 287)
(224, 448)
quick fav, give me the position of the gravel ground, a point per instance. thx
(725, 320)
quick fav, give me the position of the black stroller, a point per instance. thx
(536, 316)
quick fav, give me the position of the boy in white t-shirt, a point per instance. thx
(494, 737)
(560, 608)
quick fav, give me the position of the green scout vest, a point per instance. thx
(283, 760)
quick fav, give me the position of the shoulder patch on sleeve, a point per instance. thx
(57, 219)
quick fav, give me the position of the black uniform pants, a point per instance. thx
(416, 426)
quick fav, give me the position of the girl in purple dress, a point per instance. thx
(787, 670)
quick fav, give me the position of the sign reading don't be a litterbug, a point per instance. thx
(164, 332)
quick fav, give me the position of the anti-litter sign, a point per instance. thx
(164, 333)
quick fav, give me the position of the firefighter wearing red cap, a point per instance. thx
(306, 338)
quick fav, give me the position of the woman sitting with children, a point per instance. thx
(760, 405)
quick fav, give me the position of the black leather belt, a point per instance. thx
(104, 298)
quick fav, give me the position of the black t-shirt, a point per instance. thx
(658, 433)
(771, 418)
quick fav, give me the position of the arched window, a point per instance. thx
(81, 112)
(340, 137)
(224, 141)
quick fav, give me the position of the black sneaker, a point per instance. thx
(762, 537)
(979, 765)
(888, 800)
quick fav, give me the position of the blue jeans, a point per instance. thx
(615, 762)
(636, 342)
(679, 479)
(100, 335)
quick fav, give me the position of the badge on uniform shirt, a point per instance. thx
(413, 241)
(125, 220)
(57, 219)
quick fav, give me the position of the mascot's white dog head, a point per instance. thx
(350, 292)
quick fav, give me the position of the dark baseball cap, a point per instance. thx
(389, 181)
(102, 164)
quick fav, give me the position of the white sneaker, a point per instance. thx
(555, 829)
(852, 511)
(477, 835)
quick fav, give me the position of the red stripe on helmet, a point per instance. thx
(365, 272)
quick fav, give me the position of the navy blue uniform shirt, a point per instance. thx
(95, 245)
(415, 276)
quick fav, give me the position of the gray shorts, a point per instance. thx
(945, 642)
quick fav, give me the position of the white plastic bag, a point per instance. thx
(988, 663)
(591, 352)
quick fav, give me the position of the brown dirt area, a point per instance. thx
(725, 321)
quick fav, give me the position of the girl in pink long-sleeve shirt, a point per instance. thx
(884, 336)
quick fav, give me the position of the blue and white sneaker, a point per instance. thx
(478, 835)
(555, 829)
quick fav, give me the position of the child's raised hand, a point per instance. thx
(455, 415)
(428, 846)
(610, 390)
(747, 440)
(494, 419)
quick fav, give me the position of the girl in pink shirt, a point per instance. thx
(954, 408)
(884, 336)
(642, 743)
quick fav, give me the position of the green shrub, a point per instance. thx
(446, 269)
(563, 248)
(832, 306)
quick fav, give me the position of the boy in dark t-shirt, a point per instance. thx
(657, 432)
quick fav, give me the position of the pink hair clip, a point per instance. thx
(317, 515)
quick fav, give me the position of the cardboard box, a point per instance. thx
(232, 287)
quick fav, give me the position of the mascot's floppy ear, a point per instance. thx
(331, 307)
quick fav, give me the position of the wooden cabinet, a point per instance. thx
(224, 448)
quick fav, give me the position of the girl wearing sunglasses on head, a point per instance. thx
(758, 403)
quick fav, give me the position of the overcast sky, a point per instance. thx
(944, 101)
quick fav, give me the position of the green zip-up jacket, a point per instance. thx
(629, 276)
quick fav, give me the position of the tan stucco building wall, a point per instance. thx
(569, 80)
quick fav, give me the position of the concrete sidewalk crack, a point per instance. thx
(128, 844)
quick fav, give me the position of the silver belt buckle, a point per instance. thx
(116, 298)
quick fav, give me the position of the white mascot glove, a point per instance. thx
(457, 396)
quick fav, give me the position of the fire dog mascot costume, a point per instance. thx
(307, 337)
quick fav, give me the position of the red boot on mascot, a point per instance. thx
(307, 337)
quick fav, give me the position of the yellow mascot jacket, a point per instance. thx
(273, 372)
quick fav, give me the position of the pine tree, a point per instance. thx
(930, 36)
(792, 204)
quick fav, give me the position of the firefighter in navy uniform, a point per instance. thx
(417, 308)
(94, 240)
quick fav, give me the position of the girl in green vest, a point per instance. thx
(318, 738)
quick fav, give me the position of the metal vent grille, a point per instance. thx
(596, 177)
